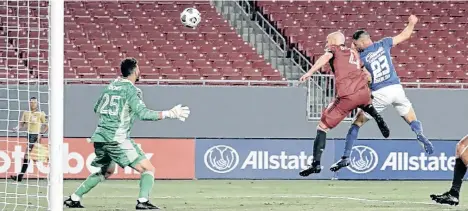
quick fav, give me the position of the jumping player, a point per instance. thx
(385, 85)
(352, 92)
(120, 103)
(452, 196)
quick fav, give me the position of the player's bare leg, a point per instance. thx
(146, 169)
(351, 137)
(416, 127)
(452, 196)
(319, 147)
(74, 201)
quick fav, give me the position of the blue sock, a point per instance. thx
(416, 127)
(350, 138)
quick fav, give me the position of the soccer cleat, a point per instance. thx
(15, 178)
(343, 162)
(314, 168)
(425, 144)
(145, 206)
(382, 126)
(72, 204)
(446, 198)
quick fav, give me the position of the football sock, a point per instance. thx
(458, 174)
(319, 145)
(89, 183)
(370, 109)
(23, 169)
(146, 185)
(416, 127)
(350, 139)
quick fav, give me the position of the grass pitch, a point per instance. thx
(246, 195)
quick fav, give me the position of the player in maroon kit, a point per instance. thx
(452, 197)
(352, 92)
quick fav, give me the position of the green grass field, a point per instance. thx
(238, 195)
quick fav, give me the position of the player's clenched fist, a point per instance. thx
(413, 19)
(305, 77)
(178, 112)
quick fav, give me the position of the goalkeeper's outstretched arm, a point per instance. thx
(145, 114)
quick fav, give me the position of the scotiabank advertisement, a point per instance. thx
(172, 158)
(398, 159)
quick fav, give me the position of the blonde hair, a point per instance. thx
(338, 37)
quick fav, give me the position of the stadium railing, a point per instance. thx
(300, 60)
(186, 82)
(321, 91)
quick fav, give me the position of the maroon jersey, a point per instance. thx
(345, 64)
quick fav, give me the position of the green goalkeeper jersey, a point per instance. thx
(118, 107)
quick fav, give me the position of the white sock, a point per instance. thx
(75, 197)
(142, 200)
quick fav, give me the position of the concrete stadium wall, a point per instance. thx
(244, 112)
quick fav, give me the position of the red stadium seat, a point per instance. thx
(440, 33)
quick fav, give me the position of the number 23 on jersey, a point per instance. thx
(380, 69)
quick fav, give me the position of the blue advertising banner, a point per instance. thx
(397, 159)
(257, 158)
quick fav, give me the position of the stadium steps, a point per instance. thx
(254, 34)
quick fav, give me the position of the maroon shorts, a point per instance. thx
(339, 108)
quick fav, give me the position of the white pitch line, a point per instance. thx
(288, 196)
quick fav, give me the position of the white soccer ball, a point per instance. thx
(190, 17)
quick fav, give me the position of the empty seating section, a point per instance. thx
(23, 39)
(437, 52)
(99, 34)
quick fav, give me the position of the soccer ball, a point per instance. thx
(190, 17)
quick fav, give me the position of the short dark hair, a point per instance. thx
(127, 66)
(359, 33)
(33, 98)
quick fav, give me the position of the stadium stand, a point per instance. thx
(436, 54)
(99, 34)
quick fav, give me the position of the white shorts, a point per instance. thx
(391, 95)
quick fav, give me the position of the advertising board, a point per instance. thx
(398, 159)
(257, 158)
(167, 155)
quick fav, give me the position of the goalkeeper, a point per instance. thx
(118, 107)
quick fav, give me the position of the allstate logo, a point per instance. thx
(363, 159)
(221, 159)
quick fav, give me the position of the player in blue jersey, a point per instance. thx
(385, 86)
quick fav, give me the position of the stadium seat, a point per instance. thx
(99, 34)
(439, 38)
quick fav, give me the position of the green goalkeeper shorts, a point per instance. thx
(127, 153)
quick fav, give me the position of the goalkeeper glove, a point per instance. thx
(178, 112)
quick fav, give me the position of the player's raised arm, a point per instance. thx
(138, 106)
(406, 33)
(318, 64)
(143, 113)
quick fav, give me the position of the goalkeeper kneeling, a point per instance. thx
(119, 105)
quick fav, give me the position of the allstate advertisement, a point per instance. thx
(397, 159)
(257, 158)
